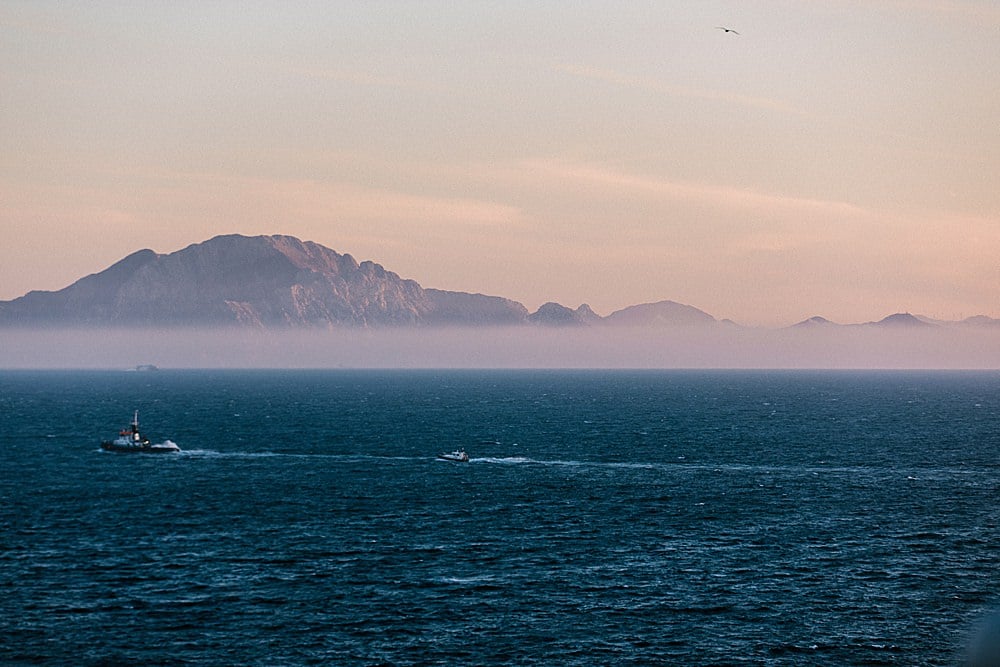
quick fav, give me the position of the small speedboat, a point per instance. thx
(130, 440)
(458, 456)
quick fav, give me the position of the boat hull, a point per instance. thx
(139, 449)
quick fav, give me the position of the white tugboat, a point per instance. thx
(132, 441)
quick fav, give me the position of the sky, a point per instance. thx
(836, 157)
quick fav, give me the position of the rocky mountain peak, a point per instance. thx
(264, 281)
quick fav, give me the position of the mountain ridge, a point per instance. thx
(279, 281)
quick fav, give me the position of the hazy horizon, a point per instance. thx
(846, 348)
(835, 158)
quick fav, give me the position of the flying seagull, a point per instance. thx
(719, 27)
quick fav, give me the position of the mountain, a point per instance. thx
(980, 321)
(974, 322)
(261, 281)
(274, 282)
(814, 322)
(901, 321)
(554, 314)
(661, 313)
(472, 309)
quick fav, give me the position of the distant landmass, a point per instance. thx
(900, 321)
(661, 313)
(554, 314)
(260, 281)
(280, 282)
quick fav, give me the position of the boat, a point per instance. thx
(458, 456)
(130, 440)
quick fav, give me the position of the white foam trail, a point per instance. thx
(265, 454)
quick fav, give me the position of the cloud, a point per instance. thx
(307, 199)
(717, 195)
(360, 203)
(646, 83)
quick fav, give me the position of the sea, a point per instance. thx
(604, 518)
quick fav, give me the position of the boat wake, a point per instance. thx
(910, 476)
(348, 458)
(518, 460)
(504, 460)
(215, 454)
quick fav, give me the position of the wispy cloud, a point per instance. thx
(677, 189)
(646, 83)
(297, 199)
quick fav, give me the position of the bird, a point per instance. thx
(719, 27)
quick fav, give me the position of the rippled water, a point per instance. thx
(605, 518)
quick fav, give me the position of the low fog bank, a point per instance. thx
(520, 347)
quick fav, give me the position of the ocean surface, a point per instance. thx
(605, 518)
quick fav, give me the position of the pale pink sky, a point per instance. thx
(837, 158)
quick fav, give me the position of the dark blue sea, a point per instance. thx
(605, 518)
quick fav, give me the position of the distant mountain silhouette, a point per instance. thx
(281, 282)
(472, 309)
(554, 314)
(976, 321)
(660, 314)
(262, 281)
(980, 321)
(814, 322)
(901, 321)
